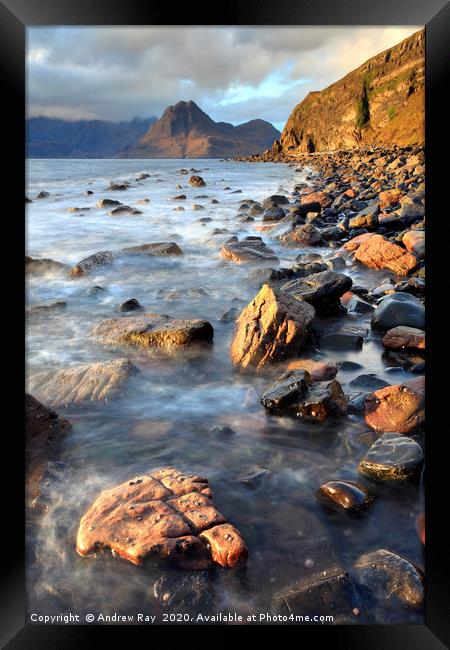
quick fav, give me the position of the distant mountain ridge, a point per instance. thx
(185, 131)
(381, 102)
(56, 138)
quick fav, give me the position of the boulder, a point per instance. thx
(389, 198)
(130, 305)
(317, 370)
(123, 209)
(345, 337)
(319, 289)
(248, 251)
(343, 496)
(398, 309)
(273, 214)
(118, 187)
(43, 426)
(40, 310)
(196, 181)
(181, 593)
(154, 331)
(157, 249)
(414, 241)
(88, 382)
(392, 457)
(323, 593)
(35, 266)
(390, 577)
(274, 326)
(323, 198)
(295, 394)
(107, 203)
(274, 200)
(286, 393)
(399, 408)
(307, 235)
(377, 252)
(88, 264)
(166, 514)
(402, 337)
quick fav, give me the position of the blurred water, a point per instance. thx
(165, 418)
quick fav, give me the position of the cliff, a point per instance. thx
(381, 102)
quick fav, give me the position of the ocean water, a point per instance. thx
(165, 418)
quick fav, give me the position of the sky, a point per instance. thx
(234, 74)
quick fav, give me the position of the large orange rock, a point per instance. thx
(323, 198)
(166, 514)
(399, 408)
(380, 253)
(402, 337)
(389, 198)
(273, 327)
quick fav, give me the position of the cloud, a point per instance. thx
(234, 73)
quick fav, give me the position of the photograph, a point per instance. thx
(225, 324)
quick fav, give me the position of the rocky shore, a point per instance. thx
(367, 207)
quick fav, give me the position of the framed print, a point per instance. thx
(225, 290)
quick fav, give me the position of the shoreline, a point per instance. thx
(330, 318)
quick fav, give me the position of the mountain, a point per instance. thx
(185, 131)
(55, 138)
(380, 102)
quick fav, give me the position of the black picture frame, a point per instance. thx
(15, 16)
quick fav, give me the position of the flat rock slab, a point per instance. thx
(34, 266)
(330, 592)
(248, 251)
(380, 253)
(388, 575)
(402, 337)
(273, 327)
(392, 457)
(166, 514)
(400, 407)
(88, 264)
(90, 382)
(157, 249)
(154, 331)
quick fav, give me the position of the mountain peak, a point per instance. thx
(185, 131)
